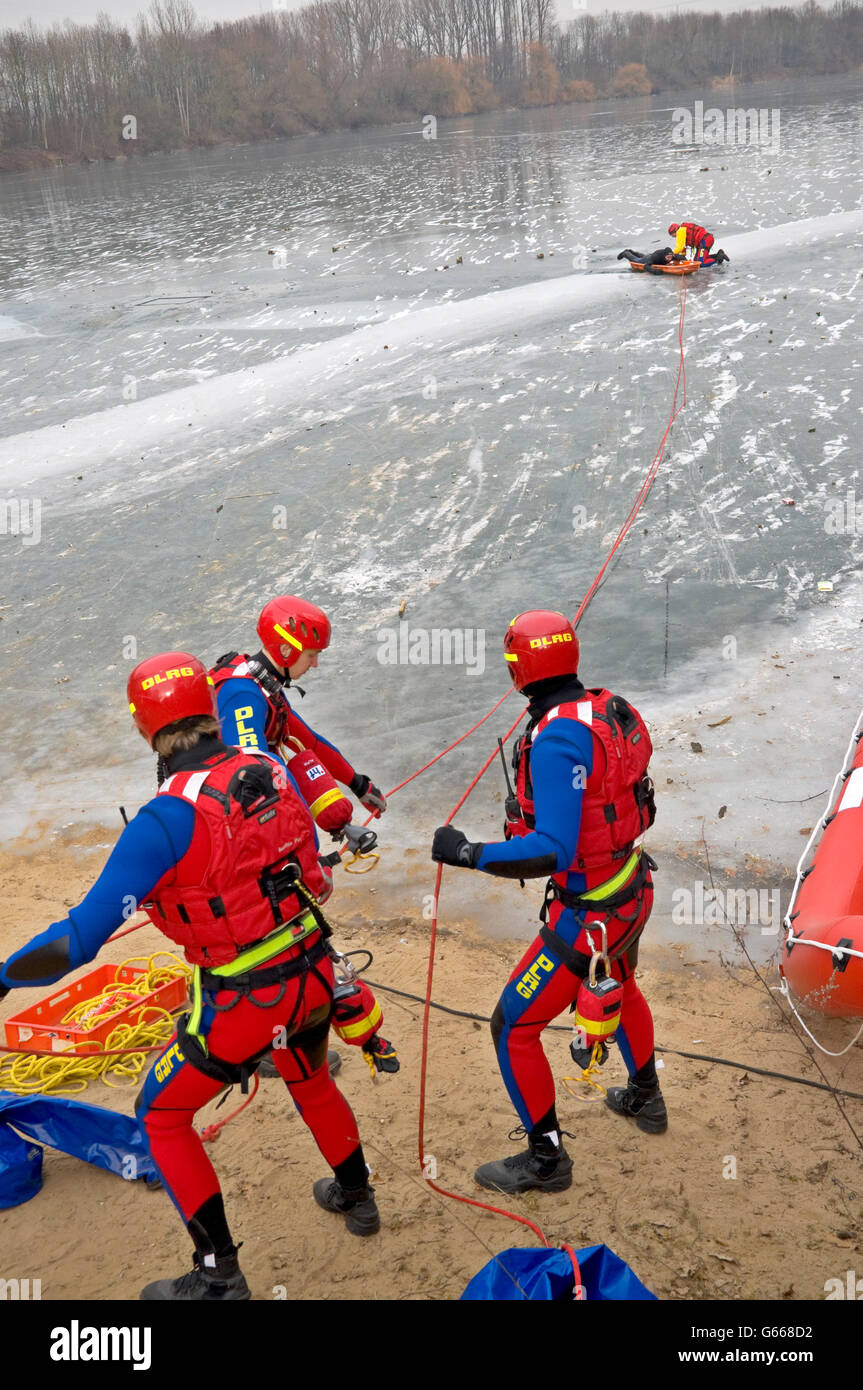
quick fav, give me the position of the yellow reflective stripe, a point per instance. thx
(272, 946)
(595, 1028)
(611, 885)
(346, 1031)
(507, 656)
(288, 636)
(194, 1022)
(327, 799)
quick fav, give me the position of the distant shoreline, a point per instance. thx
(25, 160)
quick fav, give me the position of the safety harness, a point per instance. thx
(607, 899)
(243, 977)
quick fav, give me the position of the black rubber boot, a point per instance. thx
(222, 1281)
(268, 1067)
(644, 1104)
(720, 257)
(356, 1205)
(543, 1166)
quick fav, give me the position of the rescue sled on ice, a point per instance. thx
(682, 267)
(822, 956)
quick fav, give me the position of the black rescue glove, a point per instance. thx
(450, 846)
(4, 989)
(360, 839)
(380, 1055)
(371, 796)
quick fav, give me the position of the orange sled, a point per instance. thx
(822, 957)
(684, 268)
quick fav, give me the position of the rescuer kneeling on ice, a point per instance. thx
(225, 858)
(584, 803)
(689, 237)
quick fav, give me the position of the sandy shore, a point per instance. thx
(791, 1218)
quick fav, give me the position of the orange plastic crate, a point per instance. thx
(40, 1027)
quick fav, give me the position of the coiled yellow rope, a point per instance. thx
(589, 1076)
(70, 1072)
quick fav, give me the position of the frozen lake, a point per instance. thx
(374, 368)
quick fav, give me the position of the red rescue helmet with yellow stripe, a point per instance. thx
(540, 644)
(166, 688)
(289, 626)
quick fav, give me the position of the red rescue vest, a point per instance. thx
(236, 883)
(694, 234)
(237, 664)
(618, 799)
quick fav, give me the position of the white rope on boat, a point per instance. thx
(783, 989)
(820, 826)
(802, 866)
(825, 946)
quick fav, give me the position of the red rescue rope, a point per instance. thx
(211, 1132)
(471, 1201)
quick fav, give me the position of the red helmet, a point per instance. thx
(295, 622)
(540, 644)
(675, 226)
(707, 240)
(165, 688)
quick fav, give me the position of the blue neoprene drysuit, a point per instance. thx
(237, 694)
(151, 844)
(235, 697)
(563, 749)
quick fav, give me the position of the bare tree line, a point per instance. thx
(101, 90)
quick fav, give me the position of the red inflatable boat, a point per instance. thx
(822, 957)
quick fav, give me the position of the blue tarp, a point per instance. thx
(539, 1275)
(97, 1136)
(20, 1169)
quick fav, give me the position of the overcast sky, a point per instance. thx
(46, 12)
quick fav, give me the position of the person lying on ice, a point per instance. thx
(225, 856)
(651, 260)
(255, 715)
(585, 802)
(690, 238)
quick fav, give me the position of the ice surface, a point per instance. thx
(205, 424)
